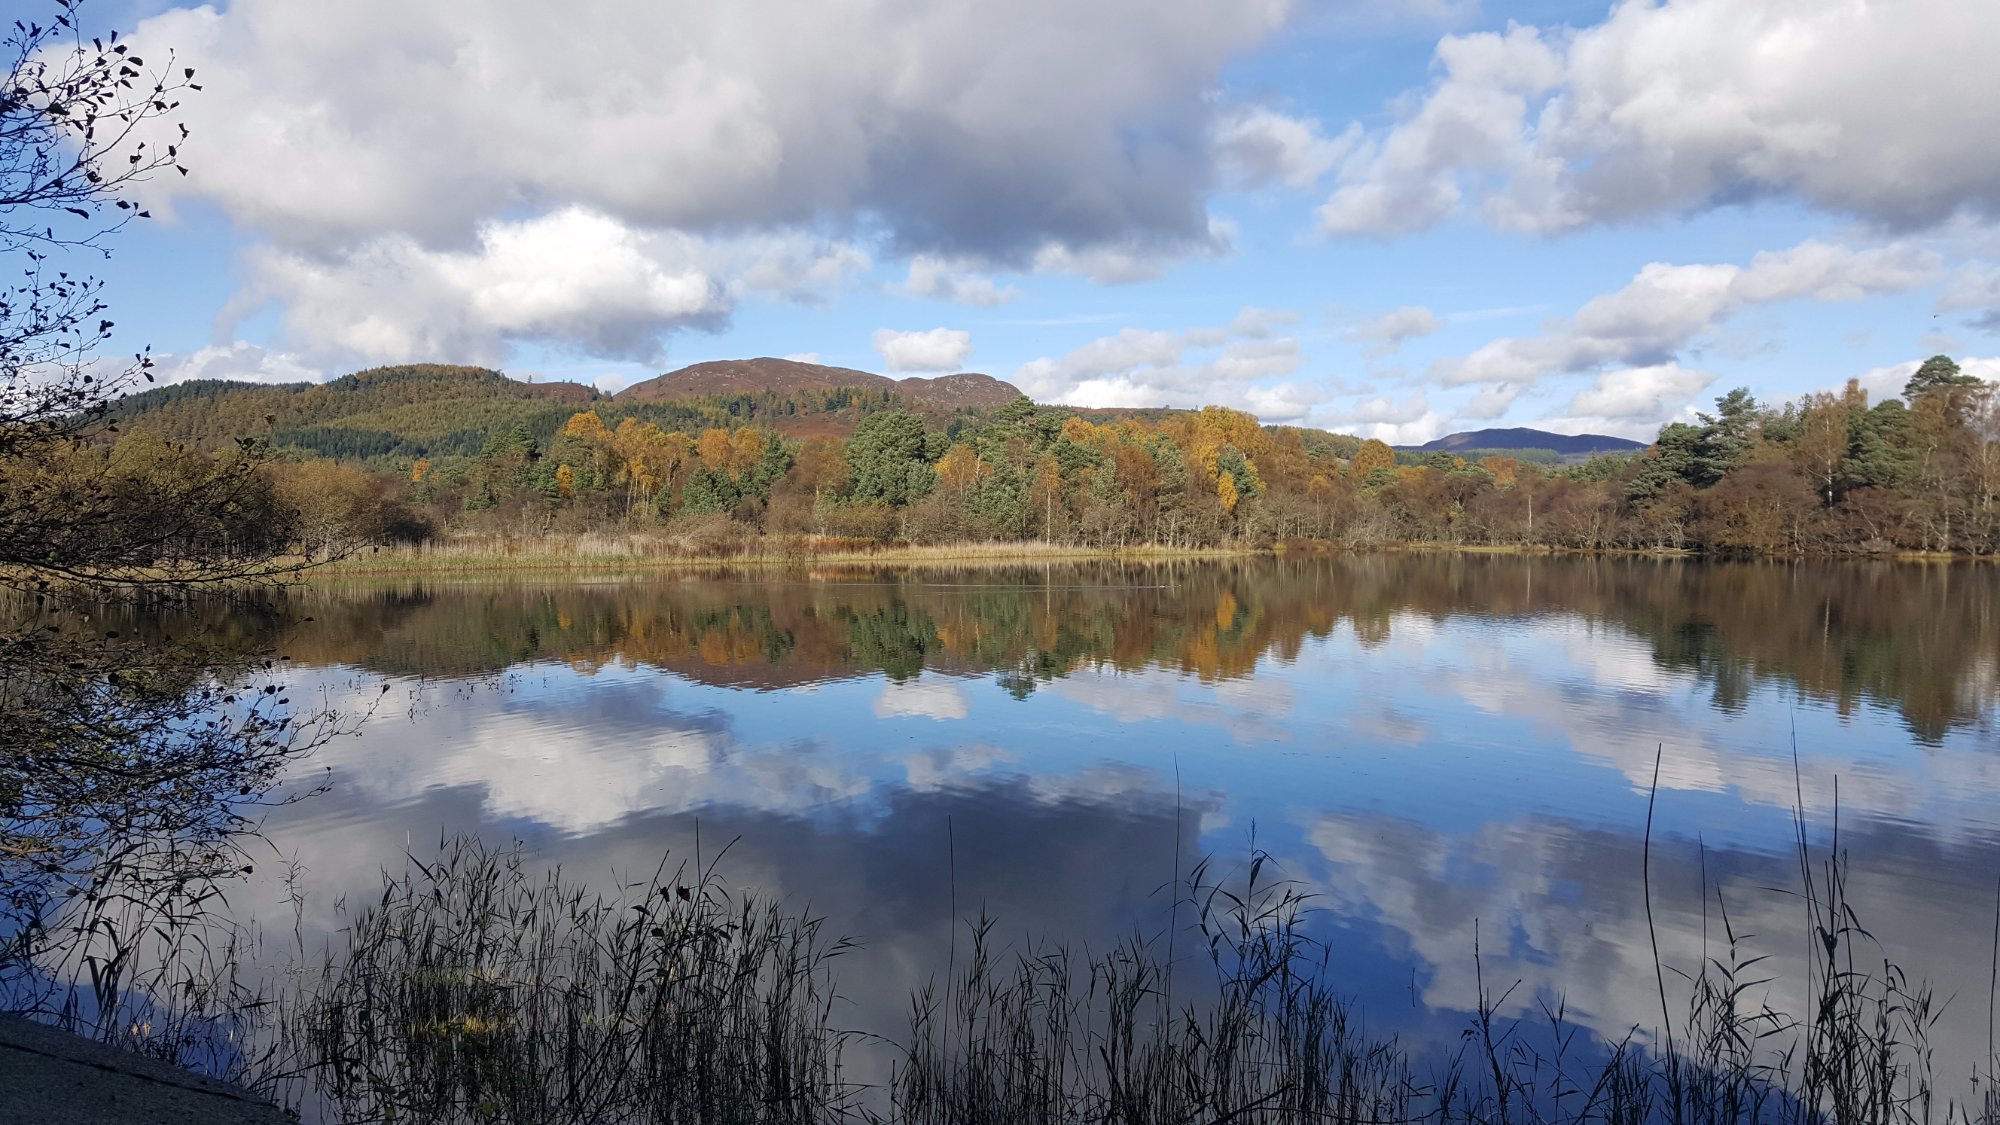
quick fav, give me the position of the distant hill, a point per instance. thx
(785, 376)
(390, 415)
(1521, 437)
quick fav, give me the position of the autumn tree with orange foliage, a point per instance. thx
(1373, 455)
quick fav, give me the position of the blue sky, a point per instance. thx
(1396, 219)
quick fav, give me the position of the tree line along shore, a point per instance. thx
(1829, 473)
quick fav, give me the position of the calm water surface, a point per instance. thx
(1429, 744)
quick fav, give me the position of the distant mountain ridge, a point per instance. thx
(1522, 437)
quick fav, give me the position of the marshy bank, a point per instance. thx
(481, 988)
(639, 552)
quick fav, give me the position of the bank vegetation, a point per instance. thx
(1829, 473)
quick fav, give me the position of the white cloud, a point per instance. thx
(803, 357)
(1410, 421)
(236, 360)
(1244, 360)
(1124, 263)
(1857, 108)
(1974, 288)
(940, 349)
(785, 266)
(957, 280)
(1416, 431)
(1667, 307)
(1258, 323)
(573, 275)
(1383, 409)
(417, 162)
(1493, 400)
(1389, 330)
(330, 125)
(1257, 146)
(1634, 402)
(1149, 367)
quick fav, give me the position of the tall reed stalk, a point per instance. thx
(476, 991)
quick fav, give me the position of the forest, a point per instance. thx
(411, 454)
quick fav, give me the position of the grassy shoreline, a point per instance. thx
(633, 553)
(607, 554)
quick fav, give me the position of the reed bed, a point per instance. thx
(1045, 1037)
(474, 991)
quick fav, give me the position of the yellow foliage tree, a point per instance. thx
(1505, 470)
(716, 450)
(586, 425)
(960, 468)
(648, 459)
(1374, 454)
(746, 448)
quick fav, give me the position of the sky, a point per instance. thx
(1394, 218)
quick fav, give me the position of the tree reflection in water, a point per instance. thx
(1924, 640)
(185, 685)
(134, 767)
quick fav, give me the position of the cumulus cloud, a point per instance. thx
(1633, 402)
(1259, 323)
(1667, 307)
(956, 280)
(1129, 261)
(1975, 289)
(1493, 400)
(236, 360)
(940, 349)
(1151, 367)
(1389, 330)
(573, 275)
(394, 156)
(321, 126)
(1408, 421)
(1859, 109)
(1257, 146)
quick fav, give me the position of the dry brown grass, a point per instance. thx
(603, 552)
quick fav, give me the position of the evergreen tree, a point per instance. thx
(1939, 372)
(1675, 458)
(709, 490)
(1727, 436)
(888, 459)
